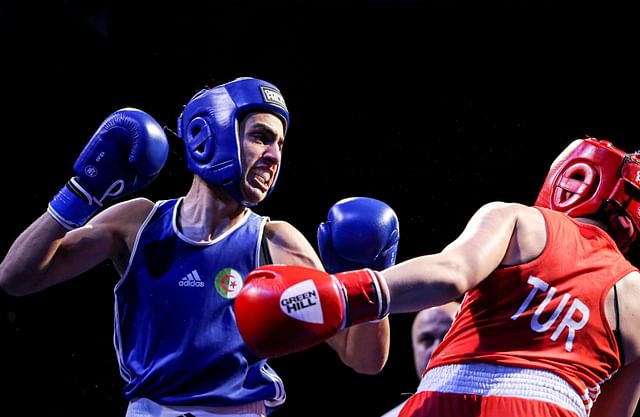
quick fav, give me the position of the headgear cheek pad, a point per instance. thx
(210, 123)
(591, 177)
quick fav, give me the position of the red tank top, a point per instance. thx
(545, 314)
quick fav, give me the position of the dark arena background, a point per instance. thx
(432, 107)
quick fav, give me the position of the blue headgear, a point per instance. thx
(210, 123)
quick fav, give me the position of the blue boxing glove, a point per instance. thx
(360, 232)
(125, 154)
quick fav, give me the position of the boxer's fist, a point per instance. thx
(284, 309)
(125, 154)
(359, 232)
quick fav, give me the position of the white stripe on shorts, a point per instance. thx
(503, 381)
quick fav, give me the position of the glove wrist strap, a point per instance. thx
(72, 206)
(366, 294)
(385, 298)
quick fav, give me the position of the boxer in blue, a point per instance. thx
(182, 261)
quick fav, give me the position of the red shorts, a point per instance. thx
(444, 404)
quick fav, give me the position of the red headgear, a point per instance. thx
(592, 176)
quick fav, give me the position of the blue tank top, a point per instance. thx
(175, 330)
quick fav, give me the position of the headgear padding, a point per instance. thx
(210, 123)
(591, 177)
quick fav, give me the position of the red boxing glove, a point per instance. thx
(284, 309)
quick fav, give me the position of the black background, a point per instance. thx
(432, 107)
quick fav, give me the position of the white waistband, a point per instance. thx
(143, 407)
(503, 381)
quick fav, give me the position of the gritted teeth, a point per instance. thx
(263, 176)
(264, 171)
(266, 176)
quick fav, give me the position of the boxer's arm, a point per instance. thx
(289, 246)
(46, 253)
(363, 347)
(620, 394)
(498, 233)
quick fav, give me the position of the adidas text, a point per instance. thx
(192, 279)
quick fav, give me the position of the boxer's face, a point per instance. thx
(262, 139)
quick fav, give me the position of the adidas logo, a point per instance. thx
(191, 280)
